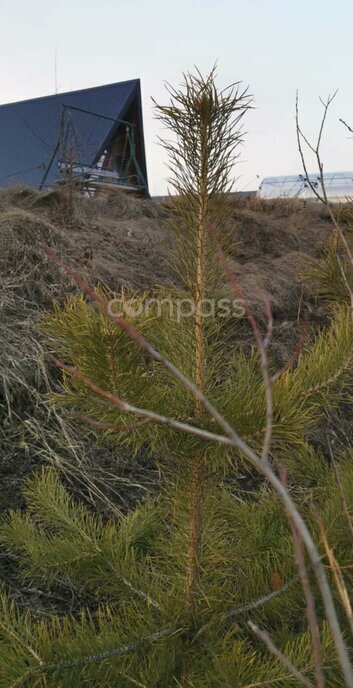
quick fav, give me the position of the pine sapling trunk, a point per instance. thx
(204, 123)
(195, 526)
(198, 471)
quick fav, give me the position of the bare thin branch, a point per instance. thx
(309, 598)
(293, 359)
(115, 652)
(147, 415)
(267, 640)
(260, 602)
(99, 425)
(337, 574)
(345, 279)
(261, 344)
(310, 607)
(346, 125)
(326, 104)
(269, 329)
(263, 600)
(321, 196)
(339, 485)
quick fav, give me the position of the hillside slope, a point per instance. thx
(120, 241)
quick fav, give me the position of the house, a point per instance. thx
(94, 136)
(338, 186)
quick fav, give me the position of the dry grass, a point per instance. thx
(98, 242)
(117, 241)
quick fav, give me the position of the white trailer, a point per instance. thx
(338, 185)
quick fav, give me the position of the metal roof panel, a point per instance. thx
(29, 129)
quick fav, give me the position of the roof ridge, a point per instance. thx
(68, 93)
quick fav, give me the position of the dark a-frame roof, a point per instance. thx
(29, 130)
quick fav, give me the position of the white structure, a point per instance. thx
(338, 185)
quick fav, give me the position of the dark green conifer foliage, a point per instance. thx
(172, 585)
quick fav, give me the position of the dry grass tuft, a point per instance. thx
(97, 241)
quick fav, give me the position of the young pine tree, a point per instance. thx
(172, 585)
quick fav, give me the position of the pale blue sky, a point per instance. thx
(274, 46)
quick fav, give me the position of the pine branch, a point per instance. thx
(266, 639)
(250, 606)
(146, 414)
(346, 364)
(116, 652)
(263, 600)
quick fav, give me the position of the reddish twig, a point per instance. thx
(262, 344)
(339, 485)
(310, 607)
(109, 426)
(269, 329)
(146, 414)
(308, 595)
(338, 577)
(294, 358)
